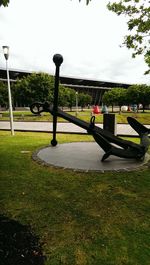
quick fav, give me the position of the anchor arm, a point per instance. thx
(103, 138)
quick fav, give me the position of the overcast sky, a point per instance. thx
(88, 37)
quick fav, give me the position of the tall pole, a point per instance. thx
(57, 59)
(6, 55)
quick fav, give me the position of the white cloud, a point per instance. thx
(88, 37)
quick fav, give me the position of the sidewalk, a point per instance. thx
(62, 127)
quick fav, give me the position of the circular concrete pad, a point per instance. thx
(84, 156)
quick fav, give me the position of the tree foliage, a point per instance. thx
(4, 2)
(71, 98)
(139, 94)
(115, 96)
(138, 21)
(84, 100)
(39, 87)
(34, 87)
(3, 94)
(135, 94)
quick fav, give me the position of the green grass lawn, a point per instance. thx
(79, 218)
(144, 118)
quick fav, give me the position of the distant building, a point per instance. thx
(95, 88)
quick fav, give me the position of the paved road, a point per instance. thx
(122, 129)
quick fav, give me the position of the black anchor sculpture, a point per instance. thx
(111, 144)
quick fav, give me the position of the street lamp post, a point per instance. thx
(6, 55)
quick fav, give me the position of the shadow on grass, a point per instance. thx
(18, 245)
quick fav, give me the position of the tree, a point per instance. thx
(121, 96)
(144, 95)
(63, 96)
(135, 94)
(4, 2)
(3, 94)
(139, 94)
(34, 87)
(84, 99)
(138, 14)
(115, 96)
(110, 98)
(71, 98)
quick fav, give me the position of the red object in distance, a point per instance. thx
(96, 109)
